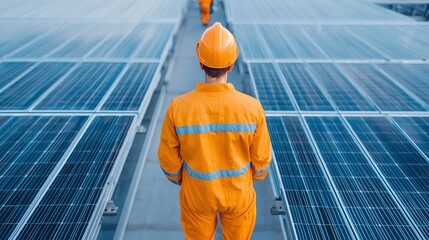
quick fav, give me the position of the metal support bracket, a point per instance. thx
(141, 129)
(278, 207)
(111, 209)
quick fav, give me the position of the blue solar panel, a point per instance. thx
(23, 93)
(333, 46)
(155, 38)
(342, 92)
(132, 88)
(31, 146)
(83, 89)
(66, 208)
(387, 95)
(271, 91)
(359, 46)
(382, 43)
(50, 42)
(316, 213)
(112, 40)
(9, 71)
(303, 46)
(372, 209)
(417, 128)
(414, 81)
(85, 41)
(305, 90)
(277, 41)
(404, 169)
(251, 42)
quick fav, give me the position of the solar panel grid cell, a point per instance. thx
(23, 93)
(305, 90)
(9, 71)
(340, 89)
(373, 211)
(31, 148)
(315, 211)
(83, 89)
(82, 179)
(132, 88)
(404, 169)
(270, 89)
(387, 95)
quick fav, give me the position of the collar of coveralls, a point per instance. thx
(214, 87)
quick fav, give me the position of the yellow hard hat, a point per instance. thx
(217, 47)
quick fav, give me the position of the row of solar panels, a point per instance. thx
(83, 40)
(94, 9)
(324, 87)
(354, 177)
(315, 10)
(315, 42)
(54, 171)
(50, 86)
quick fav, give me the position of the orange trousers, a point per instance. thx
(205, 11)
(236, 225)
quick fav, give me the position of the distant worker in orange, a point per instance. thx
(215, 144)
(205, 6)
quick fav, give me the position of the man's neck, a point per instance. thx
(222, 79)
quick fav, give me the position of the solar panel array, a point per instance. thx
(345, 89)
(75, 81)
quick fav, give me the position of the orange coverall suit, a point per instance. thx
(205, 10)
(215, 143)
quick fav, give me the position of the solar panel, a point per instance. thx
(24, 92)
(47, 43)
(270, 89)
(83, 89)
(128, 95)
(417, 128)
(9, 71)
(340, 89)
(387, 95)
(301, 44)
(251, 42)
(392, 49)
(155, 38)
(277, 41)
(305, 90)
(85, 41)
(404, 169)
(31, 147)
(67, 206)
(113, 39)
(316, 213)
(412, 80)
(371, 208)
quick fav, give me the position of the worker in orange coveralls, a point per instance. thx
(205, 6)
(215, 144)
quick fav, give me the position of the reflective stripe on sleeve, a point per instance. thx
(260, 171)
(216, 174)
(195, 129)
(172, 174)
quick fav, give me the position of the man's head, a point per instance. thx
(217, 51)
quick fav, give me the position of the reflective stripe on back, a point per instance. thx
(216, 174)
(195, 129)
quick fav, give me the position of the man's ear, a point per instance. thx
(230, 67)
(201, 66)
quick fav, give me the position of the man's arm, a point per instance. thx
(169, 149)
(260, 150)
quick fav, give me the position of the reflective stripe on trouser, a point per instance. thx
(235, 225)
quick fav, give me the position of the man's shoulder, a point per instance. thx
(248, 99)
